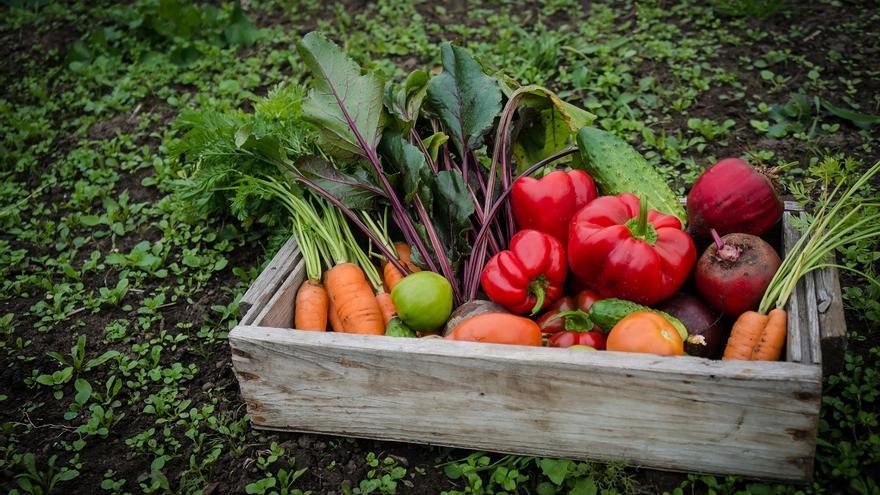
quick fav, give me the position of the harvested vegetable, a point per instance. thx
(547, 204)
(386, 305)
(529, 276)
(732, 196)
(706, 334)
(621, 249)
(842, 218)
(391, 275)
(469, 310)
(498, 328)
(618, 168)
(733, 272)
(397, 328)
(310, 311)
(354, 300)
(548, 321)
(568, 338)
(607, 313)
(647, 332)
(423, 300)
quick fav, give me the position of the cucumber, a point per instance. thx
(618, 168)
(607, 312)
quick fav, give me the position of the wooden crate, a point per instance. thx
(757, 419)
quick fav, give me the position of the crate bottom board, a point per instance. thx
(680, 414)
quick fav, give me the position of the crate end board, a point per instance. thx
(754, 419)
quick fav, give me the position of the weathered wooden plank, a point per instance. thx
(813, 339)
(267, 283)
(832, 323)
(796, 306)
(688, 414)
(278, 312)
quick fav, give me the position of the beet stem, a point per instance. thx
(727, 252)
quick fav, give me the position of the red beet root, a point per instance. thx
(731, 196)
(706, 333)
(733, 273)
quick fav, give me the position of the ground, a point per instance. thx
(118, 295)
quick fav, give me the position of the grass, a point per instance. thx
(118, 291)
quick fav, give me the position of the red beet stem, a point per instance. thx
(726, 252)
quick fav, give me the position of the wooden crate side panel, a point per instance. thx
(832, 323)
(686, 414)
(278, 312)
(803, 341)
(267, 283)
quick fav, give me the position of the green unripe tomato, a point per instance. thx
(423, 300)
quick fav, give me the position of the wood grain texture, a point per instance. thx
(757, 419)
(267, 283)
(832, 323)
(796, 345)
(278, 312)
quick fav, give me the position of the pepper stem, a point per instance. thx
(642, 225)
(537, 288)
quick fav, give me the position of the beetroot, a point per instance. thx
(733, 273)
(732, 196)
(706, 334)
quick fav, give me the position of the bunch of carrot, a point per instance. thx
(838, 221)
(350, 295)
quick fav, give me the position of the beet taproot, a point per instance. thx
(732, 196)
(733, 273)
(706, 332)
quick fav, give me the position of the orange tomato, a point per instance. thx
(498, 328)
(648, 332)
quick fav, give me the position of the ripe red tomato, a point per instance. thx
(594, 339)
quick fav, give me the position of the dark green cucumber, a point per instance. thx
(618, 168)
(607, 312)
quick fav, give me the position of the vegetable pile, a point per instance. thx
(496, 213)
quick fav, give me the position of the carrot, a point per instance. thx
(769, 348)
(390, 274)
(310, 311)
(354, 300)
(389, 311)
(757, 337)
(333, 316)
(745, 335)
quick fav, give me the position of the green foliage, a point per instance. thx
(465, 99)
(339, 93)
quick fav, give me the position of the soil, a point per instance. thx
(332, 460)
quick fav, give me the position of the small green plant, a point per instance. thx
(280, 481)
(42, 482)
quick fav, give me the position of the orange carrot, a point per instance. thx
(390, 274)
(769, 348)
(333, 316)
(354, 300)
(745, 335)
(757, 337)
(310, 312)
(389, 311)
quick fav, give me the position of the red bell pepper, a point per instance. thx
(528, 276)
(568, 338)
(620, 249)
(547, 204)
